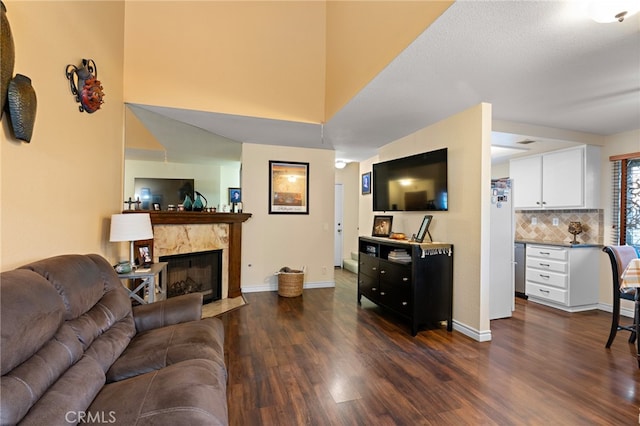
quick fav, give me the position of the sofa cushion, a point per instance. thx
(189, 392)
(183, 308)
(22, 387)
(77, 279)
(31, 315)
(69, 395)
(37, 347)
(160, 347)
(98, 307)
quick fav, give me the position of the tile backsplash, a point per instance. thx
(545, 230)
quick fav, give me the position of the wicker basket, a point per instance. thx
(290, 283)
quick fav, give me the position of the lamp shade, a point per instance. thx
(131, 227)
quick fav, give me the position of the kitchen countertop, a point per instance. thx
(558, 243)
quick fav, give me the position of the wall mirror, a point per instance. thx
(158, 147)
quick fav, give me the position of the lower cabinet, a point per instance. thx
(563, 277)
(413, 280)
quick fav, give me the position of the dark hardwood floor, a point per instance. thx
(321, 359)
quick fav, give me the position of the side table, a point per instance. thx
(152, 287)
(631, 279)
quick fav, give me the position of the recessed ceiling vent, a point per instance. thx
(525, 142)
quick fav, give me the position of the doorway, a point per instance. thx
(338, 221)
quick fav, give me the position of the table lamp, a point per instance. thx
(131, 227)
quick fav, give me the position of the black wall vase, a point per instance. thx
(22, 107)
(7, 56)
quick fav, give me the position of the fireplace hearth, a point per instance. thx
(195, 272)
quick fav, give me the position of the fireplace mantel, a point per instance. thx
(234, 220)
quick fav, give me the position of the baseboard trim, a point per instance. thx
(625, 312)
(258, 288)
(480, 336)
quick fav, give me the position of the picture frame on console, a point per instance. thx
(288, 187)
(424, 229)
(382, 226)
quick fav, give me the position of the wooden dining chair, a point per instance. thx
(620, 257)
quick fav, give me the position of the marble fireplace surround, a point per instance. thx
(192, 232)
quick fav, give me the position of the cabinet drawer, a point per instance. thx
(396, 297)
(395, 273)
(548, 293)
(369, 286)
(369, 265)
(548, 265)
(546, 277)
(555, 253)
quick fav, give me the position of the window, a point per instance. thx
(626, 199)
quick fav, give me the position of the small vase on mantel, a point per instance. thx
(188, 205)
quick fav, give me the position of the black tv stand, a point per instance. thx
(414, 280)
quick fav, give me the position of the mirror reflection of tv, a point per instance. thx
(162, 191)
(414, 183)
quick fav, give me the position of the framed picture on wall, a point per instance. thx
(366, 183)
(288, 187)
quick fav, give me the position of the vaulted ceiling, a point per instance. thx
(551, 74)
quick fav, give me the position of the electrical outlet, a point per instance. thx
(534, 220)
(555, 221)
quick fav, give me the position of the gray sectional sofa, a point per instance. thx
(74, 350)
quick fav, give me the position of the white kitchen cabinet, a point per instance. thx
(563, 179)
(563, 277)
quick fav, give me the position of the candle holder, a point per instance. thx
(575, 228)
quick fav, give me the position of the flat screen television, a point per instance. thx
(414, 183)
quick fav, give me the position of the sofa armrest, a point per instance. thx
(184, 308)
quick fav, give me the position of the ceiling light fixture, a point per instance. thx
(612, 11)
(341, 164)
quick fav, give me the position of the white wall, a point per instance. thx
(500, 170)
(229, 178)
(365, 205)
(271, 241)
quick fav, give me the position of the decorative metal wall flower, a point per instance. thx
(85, 85)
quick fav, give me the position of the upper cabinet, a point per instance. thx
(564, 179)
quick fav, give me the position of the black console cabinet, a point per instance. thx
(411, 279)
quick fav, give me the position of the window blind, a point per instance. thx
(632, 207)
(615, 195)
